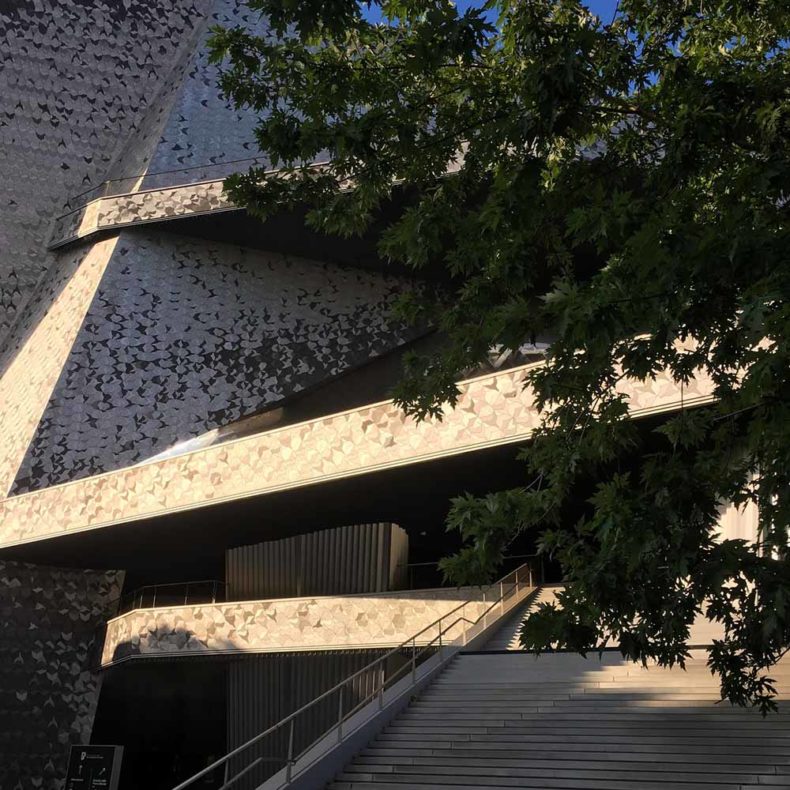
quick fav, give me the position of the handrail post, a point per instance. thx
(290, 760)
(382, 675)
(414, 659)
(463, 624)
(186, 593)
(502, 596)
(340, 715)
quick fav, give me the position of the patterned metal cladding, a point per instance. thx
(148, 370)
(44, 335)
(190, 134)
(354, 559)
(75, 79)
(282, 625)
(185, 335)
(204, 136)
(48, 691)
(492, 410)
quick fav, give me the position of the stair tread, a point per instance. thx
(495, 720)
(453, 760)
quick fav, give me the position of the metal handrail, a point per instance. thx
(218, 586)
(103, 188)
(139, 592)
(290, 759)
(412, 566)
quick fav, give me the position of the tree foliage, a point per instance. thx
(617, 186)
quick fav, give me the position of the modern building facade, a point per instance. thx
(210, 509)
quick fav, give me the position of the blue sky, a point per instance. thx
(603, 8)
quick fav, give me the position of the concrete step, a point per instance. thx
(523, 680)
(584, 704)
(558, 715)
(644, 774)
(498, 762)
(585, 712)
(631, 753)
(722, 727)
(421, 781)
(569, 693)
(668, 735)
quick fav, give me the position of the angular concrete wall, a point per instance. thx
(492, 410)
(44, 335)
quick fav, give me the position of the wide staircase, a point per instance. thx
(502, 718)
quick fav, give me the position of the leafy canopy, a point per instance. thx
(616, 186)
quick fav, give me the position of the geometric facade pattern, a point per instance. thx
(492, 410)
(182, 336)
(120, 340)
(139, 208)
(185, 335)
(75, 81)
(191, 133)
(290, 624)
(44, 337)
(48, 684)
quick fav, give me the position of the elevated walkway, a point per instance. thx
(330, 622)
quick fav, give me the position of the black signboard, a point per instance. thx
(94, 767)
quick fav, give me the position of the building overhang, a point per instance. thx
(115, 212)
(493, 410)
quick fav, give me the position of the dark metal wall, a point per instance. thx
(354, 559)
(48, 691)
(264, 689)
(168, 715)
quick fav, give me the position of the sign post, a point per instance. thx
(94, 767)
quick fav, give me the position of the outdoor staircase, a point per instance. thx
(507, 719)
(507, 635)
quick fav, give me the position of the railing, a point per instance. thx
(287, 742)
(161, 179)
(420, 576)
(166, 179)
(173, 594)
(427, 575)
